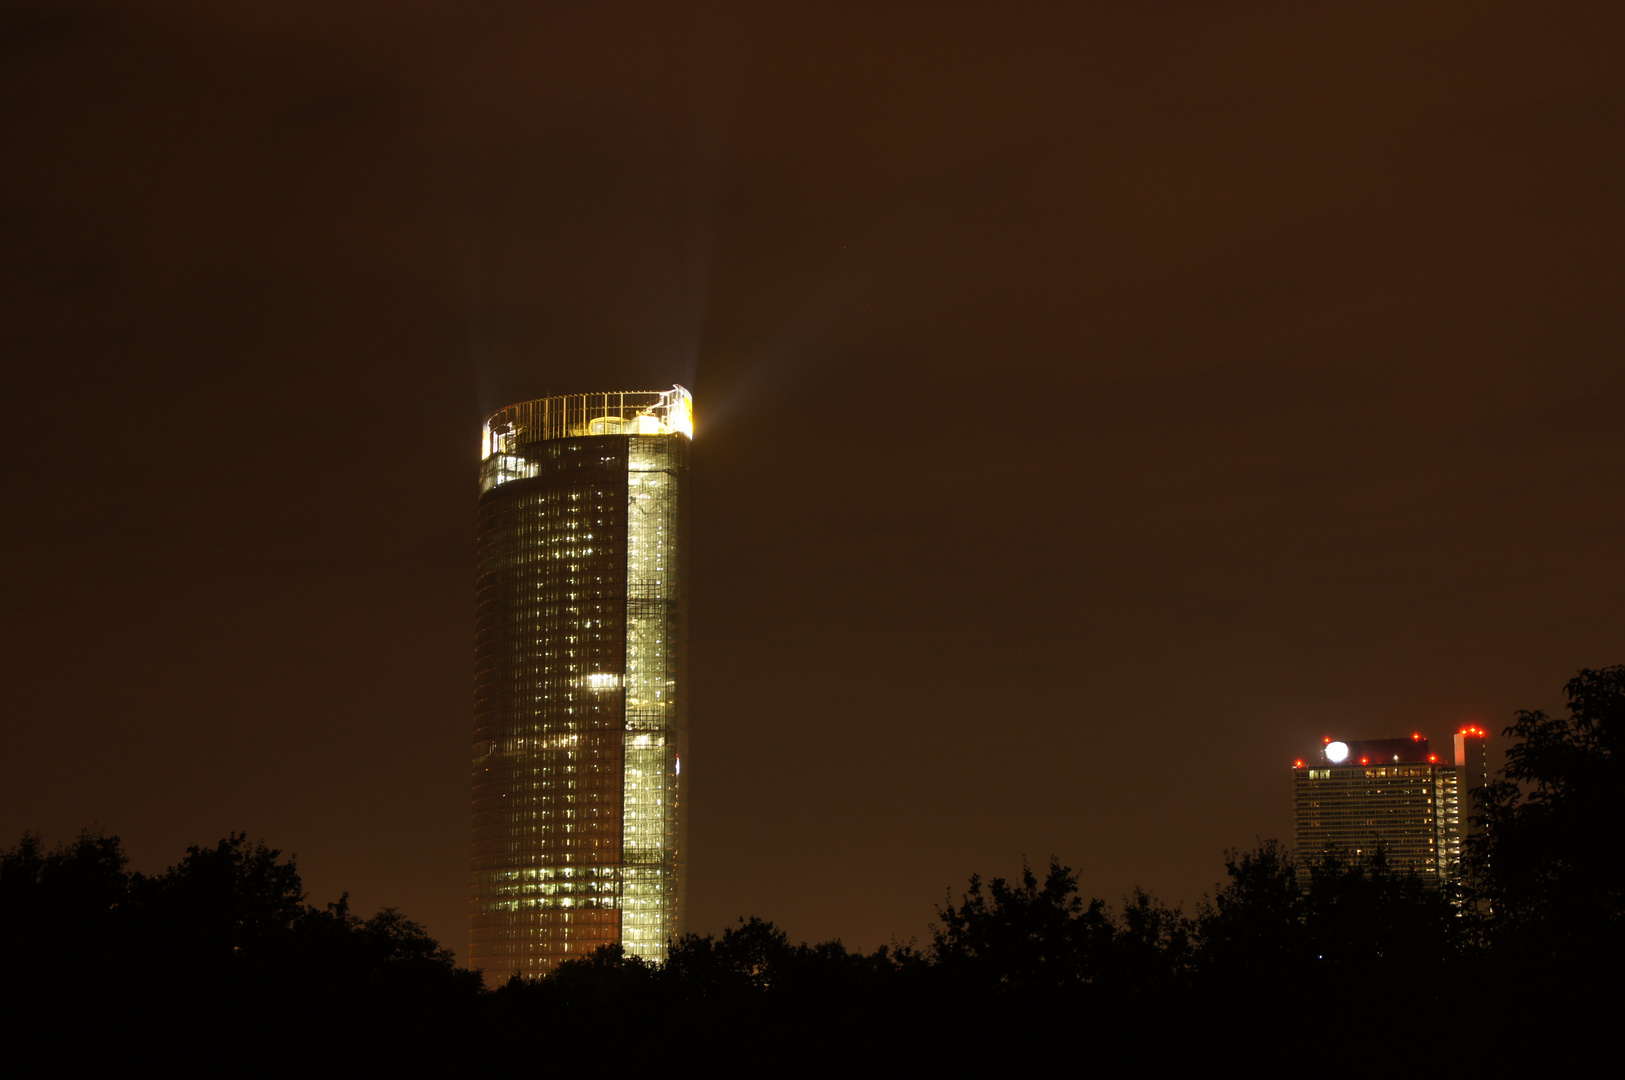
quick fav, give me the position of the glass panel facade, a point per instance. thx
(580, 710)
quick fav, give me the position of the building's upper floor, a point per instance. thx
(513, 428)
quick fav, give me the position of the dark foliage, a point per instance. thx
(224, 934)
(227, 932)
(1028, 941)
(738, 993)
(1546, 878)
(1021, 939)
(1251, 932)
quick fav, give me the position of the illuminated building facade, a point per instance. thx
(1394, 793)
(581, 707)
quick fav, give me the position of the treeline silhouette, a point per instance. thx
(227, 931)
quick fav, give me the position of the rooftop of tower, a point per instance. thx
(612, 412)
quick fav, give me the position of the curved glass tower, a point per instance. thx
(581, 708)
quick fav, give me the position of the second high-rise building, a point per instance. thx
(1396, 795)
(581, 706)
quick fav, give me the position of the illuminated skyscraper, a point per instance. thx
(581, 705)
(1392, 793)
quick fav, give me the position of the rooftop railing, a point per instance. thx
(617, 412)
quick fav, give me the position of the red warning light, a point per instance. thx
(1434, 758)
(1365, 761)
(1327, 739)
(1474, 731)
(1298, 764)
(1416, 736)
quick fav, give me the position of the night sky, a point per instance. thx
(1093, 411)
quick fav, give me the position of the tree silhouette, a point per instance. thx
(224, 931)
(1251, 932)
(63, 915)
(1022, 938)
(1545, 871)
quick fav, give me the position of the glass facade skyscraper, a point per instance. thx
(581, 706)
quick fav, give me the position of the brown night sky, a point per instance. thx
(1094, 410)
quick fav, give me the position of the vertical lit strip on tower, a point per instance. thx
(580, 709)
(648, 911)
